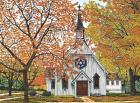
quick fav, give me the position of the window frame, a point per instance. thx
(107, 82)
(96, 80)
(117, 82)
(64, 83)
(53, 84)
(112, 82)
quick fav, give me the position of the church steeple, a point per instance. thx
(79, 26)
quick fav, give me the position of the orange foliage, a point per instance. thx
(39, 80)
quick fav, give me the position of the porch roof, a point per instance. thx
(81, 73)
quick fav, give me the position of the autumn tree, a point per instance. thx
(11, 77)
(27, 31)
(115, 30)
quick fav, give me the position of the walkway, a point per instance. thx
(4, 94)
(86, 99)
(10, 98)
(8, 93)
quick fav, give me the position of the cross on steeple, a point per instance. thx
(79, 7)
(79, 26)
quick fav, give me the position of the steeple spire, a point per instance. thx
(79, 21)
(79, 26)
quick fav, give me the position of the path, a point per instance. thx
(8, 93)
(10, 98)
(86, 99)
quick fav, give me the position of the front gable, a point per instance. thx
(81, 76)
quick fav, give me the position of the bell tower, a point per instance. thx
(79, 26)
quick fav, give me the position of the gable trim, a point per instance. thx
(82, 72)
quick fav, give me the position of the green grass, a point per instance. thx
(3, 91)
(6, 91)
(117, 94)
(138, 94)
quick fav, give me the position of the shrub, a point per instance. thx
(116, 94)
(39, 89)
(46, 93)
(32, 93)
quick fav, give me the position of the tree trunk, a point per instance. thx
(10, 84)
(26, 86)
(132, 82)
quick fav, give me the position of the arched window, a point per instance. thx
(53, 84)
(96, 81)
(65, 82)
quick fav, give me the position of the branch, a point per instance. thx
(13, 55)
(8, 67)
(42, 24)
(46, 31)
(34, 76)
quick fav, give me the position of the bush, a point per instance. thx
(3, 87)
(46, 93)
(39, 89)
(116, 94)
(32, 93)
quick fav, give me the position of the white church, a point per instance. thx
(92, 76)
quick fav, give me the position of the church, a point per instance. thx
(91, 77)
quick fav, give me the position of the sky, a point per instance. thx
(81, 2)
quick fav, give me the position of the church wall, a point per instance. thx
(58, 87)
(92, 68)
(68, 91)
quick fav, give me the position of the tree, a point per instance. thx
(27, 31)
(11, 77)
(117, 34)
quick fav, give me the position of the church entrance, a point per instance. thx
(82, 88)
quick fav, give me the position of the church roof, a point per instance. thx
(99, 63)
(80, 47)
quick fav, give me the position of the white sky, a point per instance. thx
(81, 2)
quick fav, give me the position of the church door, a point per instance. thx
(82, 88)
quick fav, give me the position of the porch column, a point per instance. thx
(75, 87)
(89, 88)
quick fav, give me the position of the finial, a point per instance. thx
(79, 7)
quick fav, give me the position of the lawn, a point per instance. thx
(46, 99)
(6, 91)
(117, 97)
(3, 91)
(13, 95)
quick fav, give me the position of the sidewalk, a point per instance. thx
(86, 99)
(10, 98)
(8, 93)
